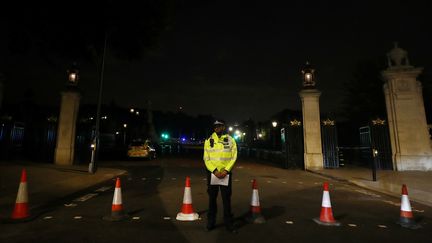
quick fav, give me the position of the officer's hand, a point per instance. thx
(223, 174)
(217, 174)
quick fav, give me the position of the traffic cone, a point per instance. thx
(255, 208)
(326, 216)
(406, 217)
(187, 212)
(21, 210)
(117, 213)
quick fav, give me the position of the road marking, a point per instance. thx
(158, 178)
(102, 189)
(166, 218)
(136, 218)
(236, 180)
(143, 178)
(289, 222)
(48, 217)
(352, 225)
(77, 217)
(368, 193)
(417, 210)
(284, 182)
(268, 181)
(70, 205)
(204, 179)
(85, 197)
(382, 226)
(391, 203)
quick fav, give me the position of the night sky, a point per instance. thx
(235, 59)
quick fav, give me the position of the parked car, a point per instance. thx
(141, 149)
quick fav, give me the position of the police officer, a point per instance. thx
(220, 154)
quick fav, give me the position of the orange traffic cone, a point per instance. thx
(187, 212)
(406, 217)
(326, 216)
(21, 210)
(117, 213)
(255, 208)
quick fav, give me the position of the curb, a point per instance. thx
(354, 183)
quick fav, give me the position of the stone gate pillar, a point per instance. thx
(313, 157)
(410, 142)
(70, 100)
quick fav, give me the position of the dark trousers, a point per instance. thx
(212, 191)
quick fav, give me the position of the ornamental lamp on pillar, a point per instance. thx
(69, 108)
(308, 76)
(73, 75)
(313, 156)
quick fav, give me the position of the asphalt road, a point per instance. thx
(152, 194)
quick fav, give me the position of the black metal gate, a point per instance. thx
(329, 144)
(376, 136)
(292, 144)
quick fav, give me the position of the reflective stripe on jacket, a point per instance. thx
(222, 155)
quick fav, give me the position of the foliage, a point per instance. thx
(364, 95)
(77, 30)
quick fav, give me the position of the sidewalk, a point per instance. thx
(419, 183)
(47, 182)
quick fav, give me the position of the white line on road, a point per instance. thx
(352, 225)
(166, 218)
(85, 197)
(70, 205)
(284, 182)
(382, 226)
(102, 189)
(48, 217)
(391, 203)
(136, 218)
(77, 217)
(368, 193)
(289, 222)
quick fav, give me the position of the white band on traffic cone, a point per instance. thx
(326, 200)
(22, 196)
(187, 196)
(117, 200)
(405, 204)
(255, 198)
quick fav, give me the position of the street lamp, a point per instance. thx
(95, 143)
(274, 124)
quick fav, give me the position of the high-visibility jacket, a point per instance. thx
(222, 155)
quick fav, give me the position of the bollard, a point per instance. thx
(374, 163)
